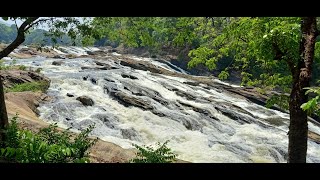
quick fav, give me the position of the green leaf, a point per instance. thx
(311, 104)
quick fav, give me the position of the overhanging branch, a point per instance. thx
(20, 37)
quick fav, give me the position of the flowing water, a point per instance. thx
(203, 124)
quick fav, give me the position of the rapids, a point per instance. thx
(203, 124)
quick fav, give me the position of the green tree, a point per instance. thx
(271, 53)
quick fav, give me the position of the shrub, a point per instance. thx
(3, 66)
(47, 146)
(147, 154)
(22, 67)
(38, 70)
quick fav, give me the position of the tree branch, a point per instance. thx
(243, 39)
(279, 56)
(37, 22)
(15, 22)
(20, 37)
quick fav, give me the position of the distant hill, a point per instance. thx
(37, 36)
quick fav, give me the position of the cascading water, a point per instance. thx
(202, 123)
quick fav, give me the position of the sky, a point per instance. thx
(9, 22)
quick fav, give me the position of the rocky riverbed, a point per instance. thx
(143, 100)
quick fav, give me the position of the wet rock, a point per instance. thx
(110, 88)
(57, 63)
(85, 78)
(187, 124)
(161, 100)
(37, 77)
(12, 77)
(158, 113)
(129, 133)
(96, 53)
(192, 83)
(233, 115)
(109, 80)
(127, 101)
(106, 67)
(138, 91)
(276, 121)
(276, 155)
(58, 57)
(109, 67)
(186, 95)
(107, 119)
(236, 108)
(94, 81)
(90, 53)
(141, 66)
(128, 76)
(84, 124)
(199, 110)
(86, 67)
(282, 152)
(170, 88)
(70, 95)
(85, 100)
(134, 92)
(53, 117)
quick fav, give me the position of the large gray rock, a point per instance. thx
(57, 63)
(85, 100)
(70, 95)
(128, 76)
(12, 77)
(59, 57)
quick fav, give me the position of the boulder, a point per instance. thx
(57, 63)
(128, 76)
(129, 133)
(12, 77)
(85, 78)
(58, 57)
(85, 100)
(70, 95)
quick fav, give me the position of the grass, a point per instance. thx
(30, 86)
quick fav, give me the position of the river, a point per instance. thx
(202, 124)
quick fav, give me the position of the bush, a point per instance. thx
(47, 146)
(22, 67)
(147, 154)
(2, 66)
(38, 70)
(30, 86)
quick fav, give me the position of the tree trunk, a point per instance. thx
(5, 52)
(3, 111)
(298, 129)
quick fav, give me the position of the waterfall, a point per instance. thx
(203, 123)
